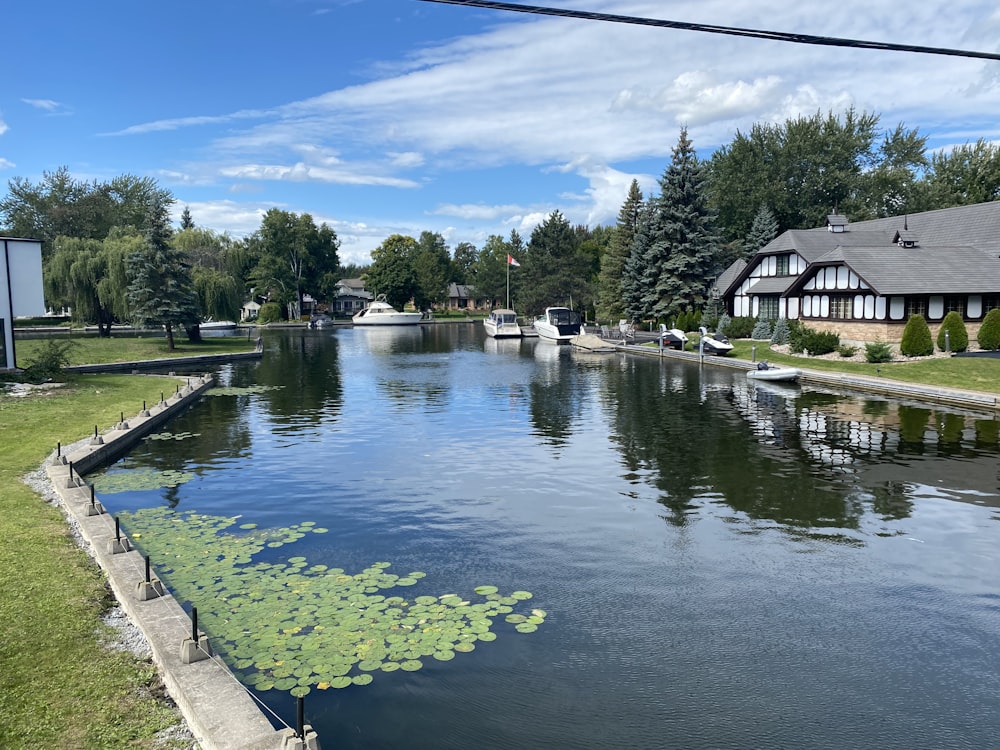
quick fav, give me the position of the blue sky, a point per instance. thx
(399, 116)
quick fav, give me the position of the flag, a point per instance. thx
(511, 261)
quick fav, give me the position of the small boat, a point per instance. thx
(714, 344)
(502, 324)
(381, 313)
(217, 325)
(558, 324)
(769, 372)
(672, 338)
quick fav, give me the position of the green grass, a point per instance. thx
(965, 373)
(94, 350)
(59, 686)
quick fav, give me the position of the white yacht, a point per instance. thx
(381, 313)
(558, 324)
(502, 324)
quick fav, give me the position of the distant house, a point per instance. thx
(20, 290)
(461, 297)
(864, 280)
(250, 310)
(349, 297)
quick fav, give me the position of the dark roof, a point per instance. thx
(915, 270)
(836, 220)
(727, 277)
(773, 284)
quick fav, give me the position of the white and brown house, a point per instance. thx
(864, 280)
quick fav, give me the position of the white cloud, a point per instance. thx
(6, 163)
(302, 172)
(3, 127)
(47, 104)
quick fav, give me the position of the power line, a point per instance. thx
(778, 36)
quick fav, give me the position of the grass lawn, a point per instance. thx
(94, 350)
(59, 686)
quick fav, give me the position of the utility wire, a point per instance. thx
(778, 36)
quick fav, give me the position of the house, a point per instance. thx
(249, 311)
(350, 297)
(20, 290)
(461, 297)
(864, 280)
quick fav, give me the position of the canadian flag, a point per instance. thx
(511, 261)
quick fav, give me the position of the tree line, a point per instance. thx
(111, 254)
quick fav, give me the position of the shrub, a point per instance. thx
(878, 352)
(709, 319)
(797, 333)
(916, 338)
(740, 328)
(989, 331)
(821, 342)
(847, 351)
(50, 361)
(958, 337)
(762, 330)
(722, 327)
(270, 312)
(780, 333)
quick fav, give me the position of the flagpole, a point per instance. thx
(508, 282)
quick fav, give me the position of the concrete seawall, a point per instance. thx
(220, 712)
(842, 380)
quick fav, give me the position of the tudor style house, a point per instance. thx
(864, 280)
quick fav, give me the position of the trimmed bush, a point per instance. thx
(270, 312)
(780, 334)
(917, 340)
(847, 351)
(762, 330)
(958, 337)
(821, 342)
(878, 352)
(740, 328)
(989, 331)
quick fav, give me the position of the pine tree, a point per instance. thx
(160, 290)
(186, 221)
(678, 260)
(611, 294)
(764, 229)
(635, 281)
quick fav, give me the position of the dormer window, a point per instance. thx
(836, 223)
(905, 238)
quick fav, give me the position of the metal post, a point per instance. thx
(93, 497)
(118, 530)
(194, 624)
(147, 568)
(300, 718)
(123, 417)
(59, 450)
(71, 471)
(753, 353)
(947, 342)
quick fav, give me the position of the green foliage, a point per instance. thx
(779, 335)
(270, 312)
(391, 273)
(818, 343)
(432, 269)
(878, 352)
(739, 328)
(50, 360)
(797, 333)
(554, 271)
(916, 341)
(989, 331)
(688, 321)
(764, 229)
(847, 351)
(722, 327)
(958, 336)
(762, 330)
(610, 292)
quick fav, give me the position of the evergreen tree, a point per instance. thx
(160, 290)
(555, 272)
(678, 260)
(432, 268)
(764, 229)
(635, 280)
(611, 304)
(186, 221)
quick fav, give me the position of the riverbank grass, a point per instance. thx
(59, 685)
(92, 350)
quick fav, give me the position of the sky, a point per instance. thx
(383, 117)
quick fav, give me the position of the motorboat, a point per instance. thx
(217, 325)
(714, 344)
(381, 313)
(765, 371)
(558, 324)
(502, 324)
(672, 338)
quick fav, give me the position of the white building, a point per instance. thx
(20, 290)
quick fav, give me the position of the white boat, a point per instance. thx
(768, 372)
(381, 313)
(714, 344)
(558, 324)
(217, 325)
(502, 324)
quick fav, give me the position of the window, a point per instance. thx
(842, 307)
(990, 302)
(955, 303)
(916, 306)
(767, 308)
(781, 268)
